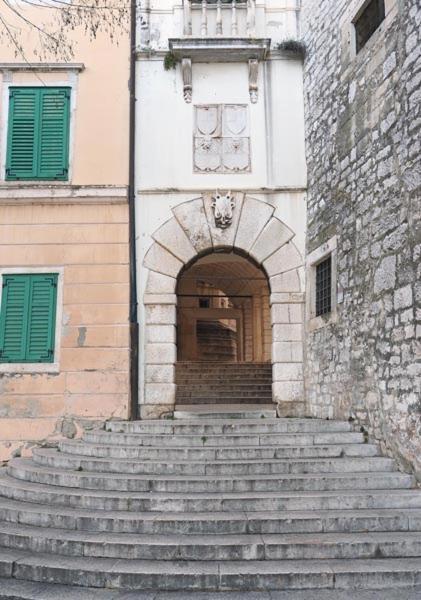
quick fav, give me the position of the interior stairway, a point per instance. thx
(223, 383)
(290, 509)
(216, 342)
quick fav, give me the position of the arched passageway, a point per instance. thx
(193, 236)
(223, 311)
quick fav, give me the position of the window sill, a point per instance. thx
(30, 367)
(316, 323)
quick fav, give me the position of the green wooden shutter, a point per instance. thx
(22, 134)
(27, 318)
(41, 318)
(53, 161)
(14, 318)
(38, 133)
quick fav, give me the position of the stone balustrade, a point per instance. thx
(211, 18)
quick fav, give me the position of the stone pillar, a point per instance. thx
(160, 355)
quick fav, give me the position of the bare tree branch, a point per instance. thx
(56, 33)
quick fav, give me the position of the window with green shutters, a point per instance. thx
(38, 133)
(27, 318)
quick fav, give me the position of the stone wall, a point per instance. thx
(363, 143)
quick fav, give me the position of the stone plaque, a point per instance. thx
(207, 120)
(221, 138)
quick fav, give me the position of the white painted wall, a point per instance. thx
(166, 121)
(164, 135)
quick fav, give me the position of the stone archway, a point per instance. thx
(193, 231)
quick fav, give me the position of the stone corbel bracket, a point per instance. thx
(186, 71)
(254, 80)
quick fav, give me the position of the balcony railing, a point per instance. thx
(225, 18)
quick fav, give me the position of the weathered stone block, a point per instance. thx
(385, 275)
(192, 217)
(287, 372)
(288, 352)
(285, 282)
(288, 391)
(274, 235)
(284, 259)
(254, 216)
(160, 333)
(160, 284)
(287, 332)
(160, 299)
(160, 314)
(173, 238)
(160, 393)
(154, 411)
(160, 354)
(160, 260)
(402, 297)
(159, 373)
(279, 313)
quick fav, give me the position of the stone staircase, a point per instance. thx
(216, 342)
(290, 509)
(223, 383)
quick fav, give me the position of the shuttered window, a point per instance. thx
(38, 133)
(27, 318)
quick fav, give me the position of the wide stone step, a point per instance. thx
(249, 547)
(240, 386)
(217, 502)
(58, 460)
(243, 381)
(13, 589)
(220, 373)
(226, 411)
(226, 391)
(223, 400)
(217, 454)
(210, 366)
(210, 523)
(28, 471)
(227, 440)
(225, 395)
(219, 426)
(210, 575)
(249, 381)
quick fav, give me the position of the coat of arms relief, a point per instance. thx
(221, 139)
(223, 206)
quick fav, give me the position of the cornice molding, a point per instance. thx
(41, 67)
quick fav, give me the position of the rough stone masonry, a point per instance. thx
(363, 152)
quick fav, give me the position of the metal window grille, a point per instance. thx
(324, 287)
(368, 21)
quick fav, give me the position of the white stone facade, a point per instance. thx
(174, 214)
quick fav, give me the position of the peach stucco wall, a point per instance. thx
(80, 227)
(90, 243)
(100, 148)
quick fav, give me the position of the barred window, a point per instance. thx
(324, 287)
(367, 21)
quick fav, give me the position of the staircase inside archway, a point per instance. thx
(224, 336)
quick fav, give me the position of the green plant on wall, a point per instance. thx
(170, 61)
